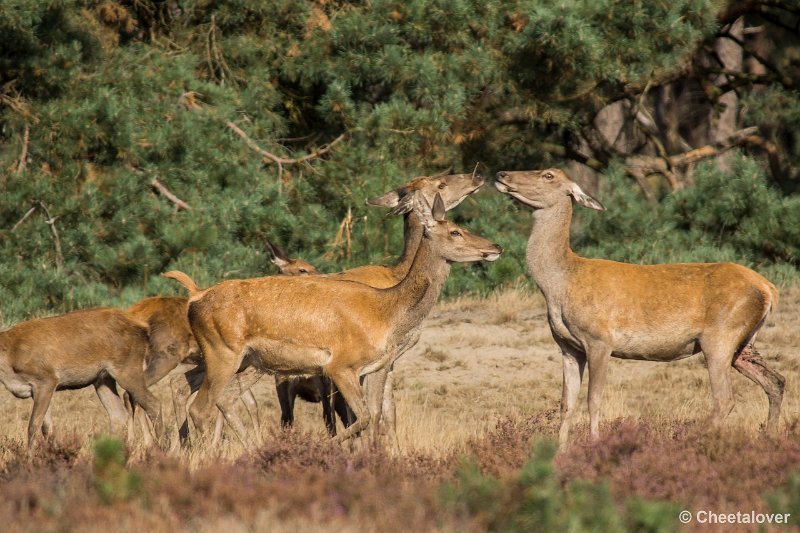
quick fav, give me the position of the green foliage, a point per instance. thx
(112, 480)
(535, 500)
(786, 499)
(735, 216)
(115, 94)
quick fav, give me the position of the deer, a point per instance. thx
(72, 351)
(314, 389)
(599, 309)
(315, 324)
(453, 189)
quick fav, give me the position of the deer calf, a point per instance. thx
(71, 351)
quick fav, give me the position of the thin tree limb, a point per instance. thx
(23, 155)
(23, 219)
(51, 221)
(324, 149)
(158, 186)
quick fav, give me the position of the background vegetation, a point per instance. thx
(278, 118)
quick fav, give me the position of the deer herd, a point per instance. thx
(334, 338)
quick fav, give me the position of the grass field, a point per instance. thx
(484, 381)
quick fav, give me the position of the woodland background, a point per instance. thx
(278, 118)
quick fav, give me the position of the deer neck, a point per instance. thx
(412, 236)
(549, 252)
(414, 297)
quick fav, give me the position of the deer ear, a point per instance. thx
(388, 200)
(438, 210)
(277, 256)
(584, 199)
(404, 205)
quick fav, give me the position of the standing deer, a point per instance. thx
(312, 325)
(417, 192)
(315, 389)
(72, 351)
(599, 309)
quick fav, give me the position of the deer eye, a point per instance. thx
(455, 233)
(303, 271)
(548, 176)
(442, 185)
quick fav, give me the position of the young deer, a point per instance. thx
(599, 309)
(72, 351)
(314, 389)
(312, 325)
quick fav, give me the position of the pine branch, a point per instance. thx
(158, 186)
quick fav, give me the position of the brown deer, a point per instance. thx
(314, 389)
(599, 309)
(453, 189)
(313, 325)
(72, 351)
(417, 192)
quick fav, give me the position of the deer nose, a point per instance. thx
(499, 248)
(501, 174)
(478, 179)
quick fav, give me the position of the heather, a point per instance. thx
(635, 478)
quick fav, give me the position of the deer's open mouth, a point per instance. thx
(504, 187)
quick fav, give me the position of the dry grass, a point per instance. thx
(479, 363)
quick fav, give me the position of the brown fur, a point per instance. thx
(72, 351)
(279, 324)
(453, 189)
(599, 309)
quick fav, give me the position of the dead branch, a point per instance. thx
(641, 165)
(342, 236)
(23, 155)
(51, 221)
(23, 219)
(158, 186)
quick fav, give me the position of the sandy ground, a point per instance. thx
(479, 360)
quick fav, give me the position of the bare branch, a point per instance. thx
(23, 155)
(51, 221)
(324, 149)
(158, 186)
(23, 219)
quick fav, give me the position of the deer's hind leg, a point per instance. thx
(751, 365)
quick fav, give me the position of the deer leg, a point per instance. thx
(750, 364)
(346, 415)
(47, 422)
(285, 399)
(347, 382)
(106, 390)
(42, 394)
(181, 390)
(374, 385)
(389, 411)
(323, 384)
(133, 382)
(719, 358)
(218, 375)
(249, 401)
(598, 356)
(574, 364)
